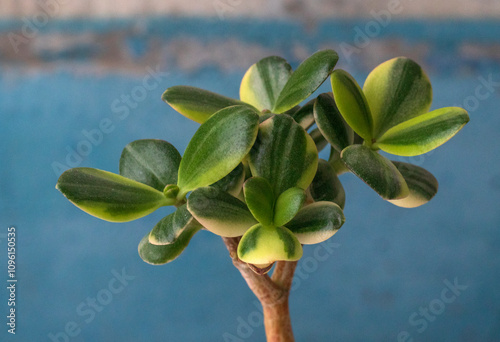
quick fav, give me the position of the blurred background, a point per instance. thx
(81, 79)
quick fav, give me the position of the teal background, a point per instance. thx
(384, 264)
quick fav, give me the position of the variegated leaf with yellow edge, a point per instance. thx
(109, 196)
(396, 91)
(317, 222)
(284, 154)
(421, 183)
(219, 212)
(195, 103)
(376, 171)
(262, 245)
(423, 133)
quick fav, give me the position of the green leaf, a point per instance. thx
(326, 185)
(306, 79)
(152, 162)
(317, 222)
(305, 115)
(162, 254)
(196, 104)
(217, 147)
(233, 182)
(319, 140)
(263, 245)
(352, 104)
(288, 205)
(331, 124)
(396, 90)
(376, 171)
(422, 184)
(423, 133)
(264, 81)
(259, 198)
(284, 154)
(219, 212)
(109, 196)
(171, 226)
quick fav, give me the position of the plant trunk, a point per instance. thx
(272, 292)
(277, 322)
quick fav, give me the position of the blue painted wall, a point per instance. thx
(372, 280)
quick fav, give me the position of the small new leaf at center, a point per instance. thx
(260, 199)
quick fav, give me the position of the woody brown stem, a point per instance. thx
(272, 292)
(277, 322)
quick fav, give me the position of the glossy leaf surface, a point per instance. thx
(317, 222)
(352, 104)
(195, 103)
(423, 133)
(305, 115)
(109, 196)
(264, 81)
(259, 198)
(284, 154)
(397, 90)
(162, 254)
(376, 171)
(217, 147)
(326, 185)
(422, 184)
(306, 79)
(264, 245)
(219, 212)
(150, 161)
(331, 124)
(171, 226)
(288, 205)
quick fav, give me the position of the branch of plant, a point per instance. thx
(269, 290)
(272, 292)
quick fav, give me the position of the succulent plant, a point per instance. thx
(252, 174)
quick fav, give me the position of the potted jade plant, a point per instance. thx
(251, 173)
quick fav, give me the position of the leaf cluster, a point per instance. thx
(252, 169)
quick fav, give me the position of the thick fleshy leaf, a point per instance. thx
(306, 79)
(423, 133)
(162, 254)
(396, 90)
(219, 212)
(422, 184)
(264, 81)
(288, 205)
(195, 103)
(217, 147)
(259, 198)
(326, 186)
(319, 139)
(264, 245)
(317, 222)
(150, 161)
(233, 182)
(109, 196)
(284, 154)
(352, 104)
(171, 226)
(305, 115)
(376, 171)
(331, 124)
